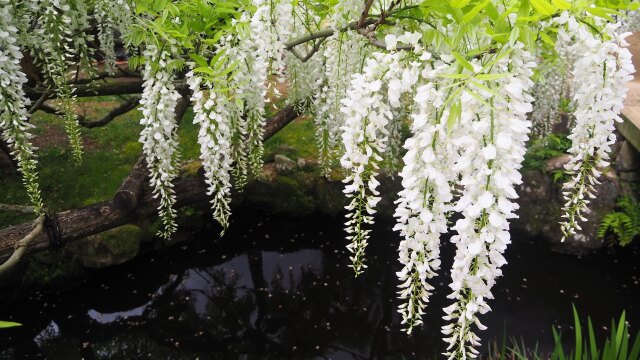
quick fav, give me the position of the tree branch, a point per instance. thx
(365, 13)
(125, 107)
(22, 209)
(323, 34)
(132, 86)
(21, 246)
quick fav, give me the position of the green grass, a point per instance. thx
(109, 154)
(296, 140)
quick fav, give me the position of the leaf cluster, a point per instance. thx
(617, 346)
(541, 150)
(623, 224)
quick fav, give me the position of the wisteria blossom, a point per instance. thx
(54, 57)
(106, 24)
(490, 157)
(367, 111)
(159, 135)
(425, 199)
(601, 69)
(341, 56)
(212, 115)
(14, 116)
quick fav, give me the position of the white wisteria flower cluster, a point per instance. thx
(341, 56)
(14, 116)
(51, 50)
(159, 136)
(211, 108)
(265, 53)
(106, 26)
(602, 67)
(425, 199)
(491, 154)
(301, 76)
(367, 108)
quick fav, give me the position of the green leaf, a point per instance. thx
(467, 65)
(8, 324)
(620, 331)
(457, 4)
(543, 7)
(546, 38)
(455, 76)
(635, 348)
(491, 76)
(454, 114)
(562, 4)
(601, 12)
(524, 9)
(578, 331)
(199, 59)
(205, 70)
(592, 340)
(475, 11)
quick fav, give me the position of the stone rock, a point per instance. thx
(331, 200)
(586, 240)
(628, 159)
(284, 165)
(557, 163)
(284, 195)
(301, 163)
(630, 176)
(540, 212)
(109, 248)
(536, 192)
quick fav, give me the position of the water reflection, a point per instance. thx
(277, 289)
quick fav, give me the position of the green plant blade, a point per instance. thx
(8, 324)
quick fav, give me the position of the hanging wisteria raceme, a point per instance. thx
(364, 137)
(266, 56)
(211, 108)
(490, 158)
(159, 135)
(601, 69)
(302, 76)
(368, 108)
(105, 19)
(238, 51)
(14, 116)
(78, 29)
(345, 12)
(342, 56)
(549, 91)
(52, 53)
(553, 89)
(630, 21)
(122, 14)
(424, 201)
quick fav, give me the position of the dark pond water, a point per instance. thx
(280, 289)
